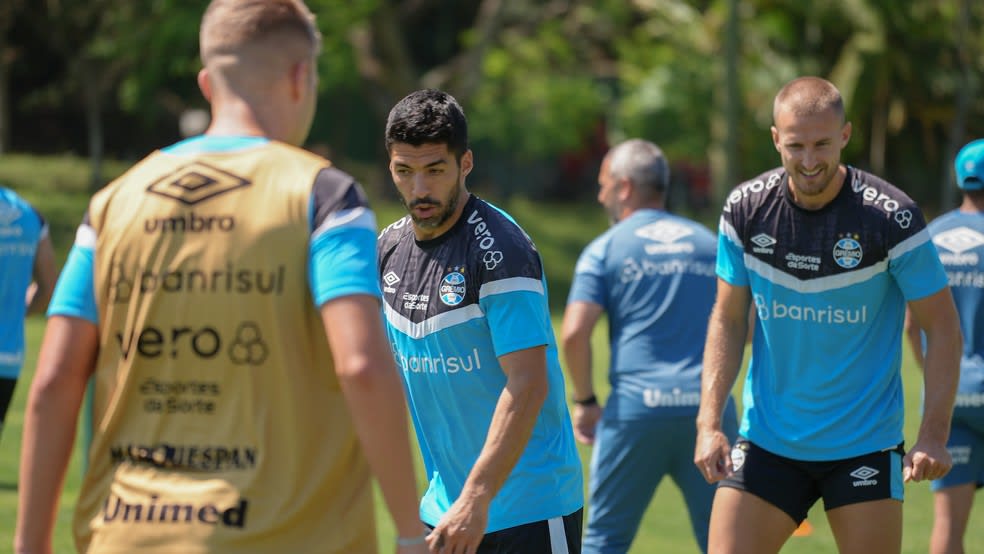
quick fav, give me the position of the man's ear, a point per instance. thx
(467, 162)
(625, 188)
(204, 85)
(300, 79)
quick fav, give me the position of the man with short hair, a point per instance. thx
(467, 315)
(223, 297)
(653, 274)
(27, 278)
(830, 256)
(959, 237)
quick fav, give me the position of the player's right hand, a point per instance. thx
(585, 421)
(712, 455)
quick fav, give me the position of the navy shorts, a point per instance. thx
(794, 486)
(7, 385)
(557, 535)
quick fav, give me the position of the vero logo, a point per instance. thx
(864, 476)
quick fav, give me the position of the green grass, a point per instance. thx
(57, 187)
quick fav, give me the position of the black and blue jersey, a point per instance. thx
(829, 288)
(453, 305)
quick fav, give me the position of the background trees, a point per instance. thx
(547, 83)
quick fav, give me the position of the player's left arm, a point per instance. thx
(512, 425)
(67, 359)
(44, 275)
(580, 318)
(936, 315)
(913, 334)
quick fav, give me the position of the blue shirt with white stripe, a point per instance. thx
(21, 229)
(829, 287)
(453, 306)
(959, 237)
(653, 274)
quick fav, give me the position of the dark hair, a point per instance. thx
(428, 116)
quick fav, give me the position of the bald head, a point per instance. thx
(257, 36)
(808, 96)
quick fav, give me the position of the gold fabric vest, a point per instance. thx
(218, 421)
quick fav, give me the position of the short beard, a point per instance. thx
(442, 217)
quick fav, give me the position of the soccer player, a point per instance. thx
(959, 237)
(830, 256)
(653, 274)
(466, 312)
(27, 278)
(222, 295)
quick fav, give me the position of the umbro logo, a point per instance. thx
(664, 231)
(959, 240)
(389, 280)
(665, 235)
(763, 243)
(196, 182)
(864, 475)
(9, 214)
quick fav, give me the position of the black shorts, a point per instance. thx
(794, 486)
(551, 536)
(7, 385)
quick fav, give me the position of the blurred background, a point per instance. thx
(547, 84)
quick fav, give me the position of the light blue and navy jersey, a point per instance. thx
(829, 288)
(21, 229)
(340, 260)
(653, 274)
(959, 237)
(453, 306)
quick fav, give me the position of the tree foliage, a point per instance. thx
(539, 78)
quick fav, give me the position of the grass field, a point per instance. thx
(560, 231)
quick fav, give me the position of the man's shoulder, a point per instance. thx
(755, 191)
(876, 192)
(395, 232)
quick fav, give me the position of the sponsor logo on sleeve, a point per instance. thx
(752, 187)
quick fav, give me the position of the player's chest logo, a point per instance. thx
(847, 251)
(453, 287)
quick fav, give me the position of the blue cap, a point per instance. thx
(970, 166)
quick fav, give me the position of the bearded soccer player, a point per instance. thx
(467, 315)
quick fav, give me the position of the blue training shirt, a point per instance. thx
(453, 306)
(341, 259)
(959, 237)
(21, 229)
(654, 275)
(829, 288)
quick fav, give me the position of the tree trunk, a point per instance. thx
(91, 94)
(964, 93)
(4, 98)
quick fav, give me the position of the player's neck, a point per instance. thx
(972, 203)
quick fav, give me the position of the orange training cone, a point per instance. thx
(804, 529)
